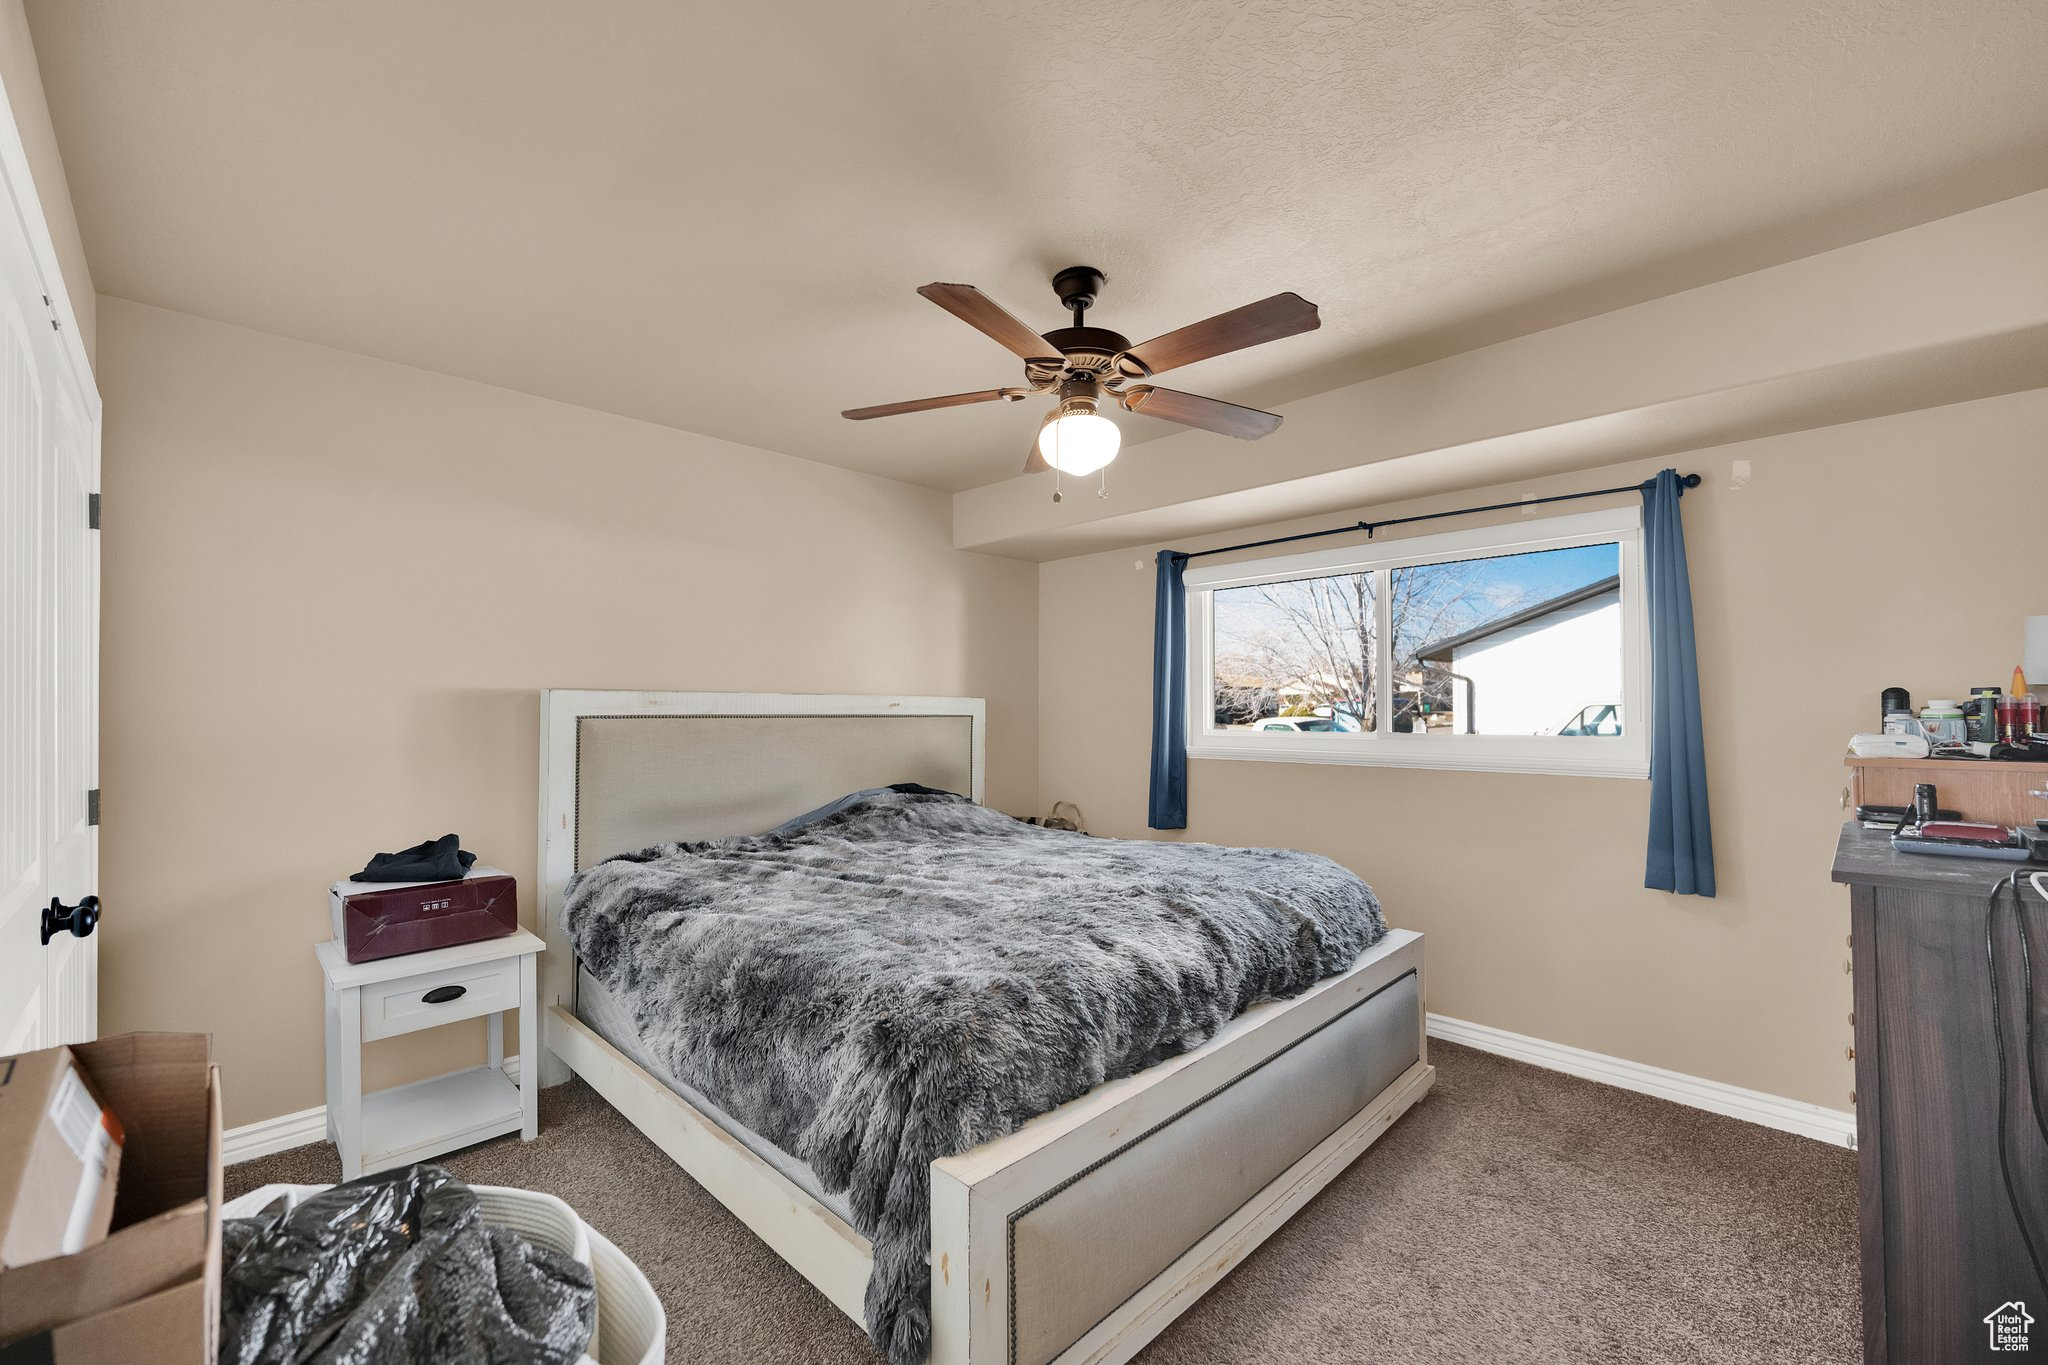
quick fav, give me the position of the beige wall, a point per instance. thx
(333, 589)
(1902, 550)
(24, 84)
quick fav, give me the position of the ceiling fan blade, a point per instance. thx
(990, 318)
(1283, 315)
(1034, 463)
(1193, 410)
(951, 400)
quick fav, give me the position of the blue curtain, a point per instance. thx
(1681, 855)
(1170, 695)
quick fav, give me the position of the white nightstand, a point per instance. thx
(382, 999)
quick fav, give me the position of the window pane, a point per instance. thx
(1524, 644)
(1300, 653)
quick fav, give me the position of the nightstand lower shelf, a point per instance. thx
(409, 1123)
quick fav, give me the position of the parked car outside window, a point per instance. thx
(1340, 723)
(1601, 718)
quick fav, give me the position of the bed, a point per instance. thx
(1075, 1238)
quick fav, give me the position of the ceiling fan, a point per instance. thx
(1088, 366)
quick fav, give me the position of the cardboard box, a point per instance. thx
(60, 1155)
(170, 1325)
(151, 1290)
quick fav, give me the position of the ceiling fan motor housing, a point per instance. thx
(1078, 285)
(1089, 348)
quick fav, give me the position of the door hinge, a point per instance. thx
(92, 806)
(92, 511)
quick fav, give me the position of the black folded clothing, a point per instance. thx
(438, 860)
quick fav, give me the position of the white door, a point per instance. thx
(49, 638)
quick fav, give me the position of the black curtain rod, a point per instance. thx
(1685, 481)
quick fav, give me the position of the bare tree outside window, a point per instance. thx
(1301, 648)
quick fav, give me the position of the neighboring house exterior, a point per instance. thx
(1531, 672)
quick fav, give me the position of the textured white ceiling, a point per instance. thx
(713, 216)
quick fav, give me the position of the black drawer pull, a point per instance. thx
(441, 995)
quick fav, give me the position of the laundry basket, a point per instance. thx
(631, 1328)
(635, 1328)
(540, 1218)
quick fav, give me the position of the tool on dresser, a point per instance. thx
(1968, 839)
(1885, 817)
(2032, 750)
(1931, 830)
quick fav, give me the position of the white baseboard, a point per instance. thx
(1772, 1111)
(266, 1137)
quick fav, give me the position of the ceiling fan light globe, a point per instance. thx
(1079, 443)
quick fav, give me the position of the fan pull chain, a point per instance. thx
(1103, 491)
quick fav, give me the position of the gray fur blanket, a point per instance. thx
(917, 974)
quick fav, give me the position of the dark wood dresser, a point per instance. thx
(1943, 1247)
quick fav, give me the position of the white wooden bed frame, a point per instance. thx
(978, 1195)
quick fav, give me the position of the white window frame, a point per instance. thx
(1624, 755)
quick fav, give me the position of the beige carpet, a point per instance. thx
(1516, 1215)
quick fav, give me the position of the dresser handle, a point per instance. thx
(441, 995)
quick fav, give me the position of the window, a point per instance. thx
(1517, 648)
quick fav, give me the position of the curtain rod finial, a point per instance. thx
(1691, 480)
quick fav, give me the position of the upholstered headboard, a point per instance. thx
(622, 770)
(649, 779)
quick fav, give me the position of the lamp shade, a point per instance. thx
(1079, 442)
(2035, 655)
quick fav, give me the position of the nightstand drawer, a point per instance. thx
(417, 1002)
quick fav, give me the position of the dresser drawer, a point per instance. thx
(401, 1006)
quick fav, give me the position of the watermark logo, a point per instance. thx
(2009, 1323)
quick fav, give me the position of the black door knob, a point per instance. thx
(80, 919)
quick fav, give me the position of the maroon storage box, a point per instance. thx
(385, 919)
